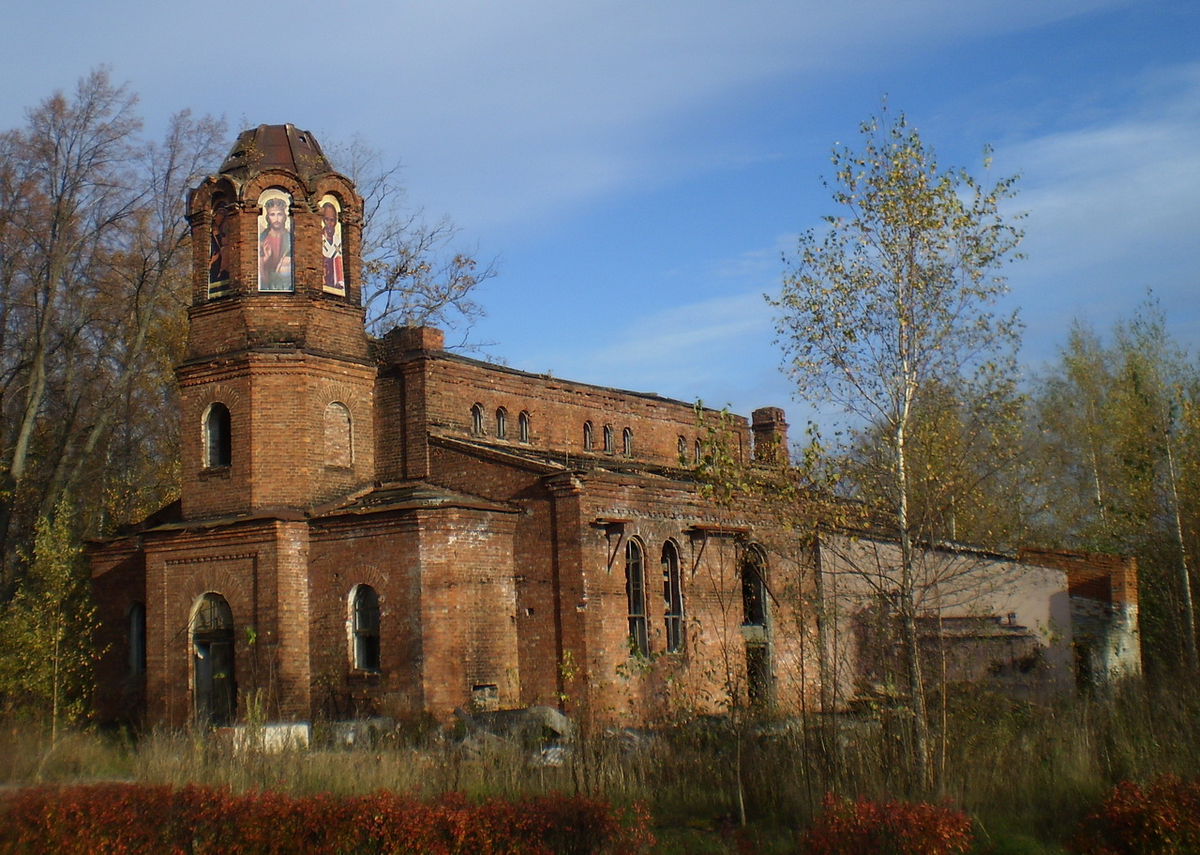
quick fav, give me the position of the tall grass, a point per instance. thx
(1017, 768)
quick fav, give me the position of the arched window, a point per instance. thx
(364, 628)
(627, 442)
(218, 436)
(682, 448)
(501, 423)
(672, 598)
(214, 683)
(754, 589)
(136, 638)
(608, 439)
(696, 454)
(339, 437)
(477, 420)
(588, 442)
(523, 427)
(635, 594)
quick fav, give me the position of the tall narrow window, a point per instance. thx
(137, 640)
(588, 441)
(218, 436)
(672, 598)
(523, 427)
(477, 420)
(681, 446)
(696, 454)
(608, 439)
(635, 594)
(754, 589)
(627, 442)
(501, 423)
(364, 617)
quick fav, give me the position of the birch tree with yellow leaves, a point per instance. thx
(887, 307)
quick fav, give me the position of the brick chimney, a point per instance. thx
(770, 432)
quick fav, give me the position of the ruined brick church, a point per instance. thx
(384, 527)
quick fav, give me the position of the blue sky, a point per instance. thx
(639, 167)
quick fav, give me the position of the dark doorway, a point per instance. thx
(212, 661)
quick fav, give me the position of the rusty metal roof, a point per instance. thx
(276, 147)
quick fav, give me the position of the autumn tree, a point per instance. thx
(94, 269)
(890, 309)
(1118, 455)
(45, 649)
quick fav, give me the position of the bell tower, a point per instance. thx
(277, 380)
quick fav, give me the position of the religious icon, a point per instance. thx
(275, 241)
(331, 245)
(218, 255)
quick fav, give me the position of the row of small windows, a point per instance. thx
(608, 435)
(589, 440)
(754, 595)
(479, 429)
(218, 436)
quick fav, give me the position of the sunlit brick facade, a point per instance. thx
(386, 527)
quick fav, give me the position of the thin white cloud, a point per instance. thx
(1114, 208)
(681, 352)
(507, 107)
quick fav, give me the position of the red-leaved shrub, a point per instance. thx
(123, 819)
(1163, 819)
(895, 828)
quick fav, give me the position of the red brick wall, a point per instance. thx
(448, 610)
(571, 591)
(1108, 578)
(118, 582)
(256, 567)
(381, 551)
(277, 407)
(557, 410)
(468, 608)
